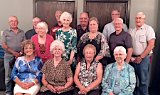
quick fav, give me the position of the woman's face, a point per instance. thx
(93, 26)
(57, 51)
(89, 54)
(66, 22)
(28, 50)
(41, 31)
(119, 57)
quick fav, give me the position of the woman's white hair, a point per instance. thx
(57, 43)
(120, 48)
(66, 15)
(44, 25)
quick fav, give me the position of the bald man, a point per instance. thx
(120, 38)
(143, 41)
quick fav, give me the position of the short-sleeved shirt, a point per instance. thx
(141, 37)
(122, 39)
(109, 29)
(13, 40)
(56, 76)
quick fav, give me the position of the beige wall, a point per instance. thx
(24, 10)
(149, 7)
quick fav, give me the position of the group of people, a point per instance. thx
(80, 60)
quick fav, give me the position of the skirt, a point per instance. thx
(33, 90)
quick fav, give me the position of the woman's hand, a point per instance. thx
(23, 85)
(51, 88)
(83, 90)
(59, 88)
(111, 93)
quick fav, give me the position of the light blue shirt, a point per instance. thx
(120, 82)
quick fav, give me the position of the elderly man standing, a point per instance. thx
(143, 41)
(83, 26)
(32, 32)
(120, 38)
(11, 43)
(109, 28)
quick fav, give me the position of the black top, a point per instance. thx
(30, 33)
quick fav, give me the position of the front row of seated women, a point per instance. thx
(57, 78)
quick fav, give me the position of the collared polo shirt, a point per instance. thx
(141, 37)
(13, 40)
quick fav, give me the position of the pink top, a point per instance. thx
(46, 55)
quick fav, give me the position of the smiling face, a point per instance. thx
(140, 20)
(119, 56)
(93, 26)
(57, 51)
(13, 22)
(89, 54)
(118, 24)
(66, 22)
(28, 50)
(84, 19)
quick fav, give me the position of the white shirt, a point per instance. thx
(141, 37)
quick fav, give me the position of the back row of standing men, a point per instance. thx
(139, 42)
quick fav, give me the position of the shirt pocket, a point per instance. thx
(142, 38)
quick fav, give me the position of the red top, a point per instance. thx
(46, 54)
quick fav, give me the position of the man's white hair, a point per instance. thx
(118, 19)
(57, 43)
(141, 14)
(120, 48)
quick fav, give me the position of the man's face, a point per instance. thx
(57, 15)
(13, 22)
(115, 14)
(118, 25)
(84, 19)
(139, 20)
(35, 22)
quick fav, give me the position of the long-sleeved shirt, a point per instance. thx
(120, 82)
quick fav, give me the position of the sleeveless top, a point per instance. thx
(87, 76)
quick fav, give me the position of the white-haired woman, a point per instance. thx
(57, 75)
(42, 41)
(68, 36)
(119, 77)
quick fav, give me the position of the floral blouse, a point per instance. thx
(120, 82)
(87, 76)
(99, 42)
(69, 38)
(27, 71)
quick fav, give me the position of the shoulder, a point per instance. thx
(129, 67)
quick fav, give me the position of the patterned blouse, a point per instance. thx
(69, 38)
(99, 42)
(56, 76)
(27, 71)
(87, 76)
(120, 82)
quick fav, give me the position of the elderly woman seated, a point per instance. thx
(119, 77)
(57, 75)
(26, 71)
(88, 75)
